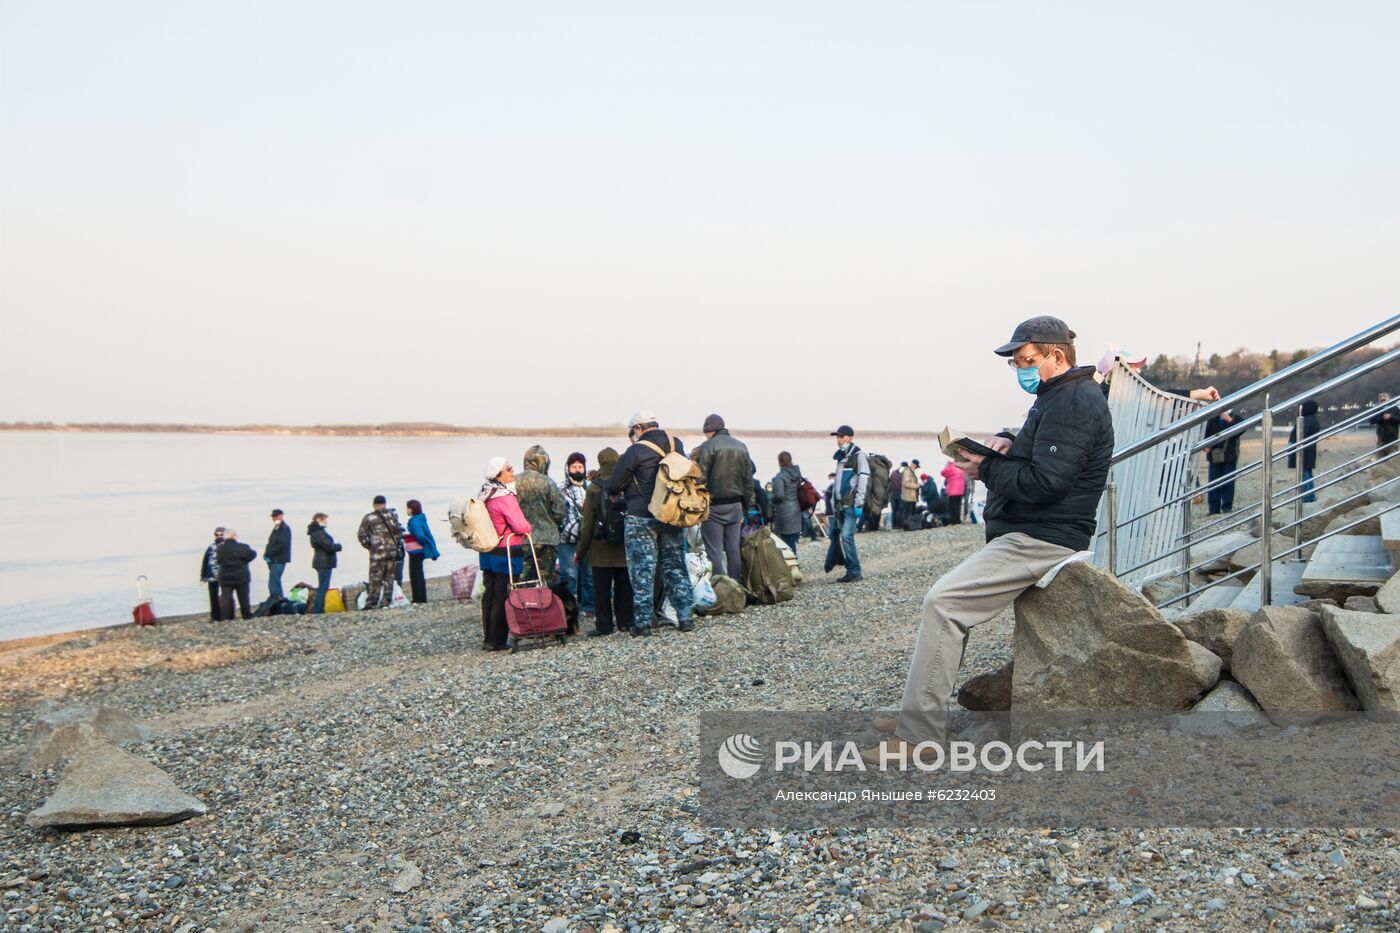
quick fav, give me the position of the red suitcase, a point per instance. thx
(532, 609)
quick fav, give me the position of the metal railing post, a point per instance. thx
(1266, 508)
(1186, 530)
(1298, 481)
(1111, 491)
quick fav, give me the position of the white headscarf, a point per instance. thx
(494, 467)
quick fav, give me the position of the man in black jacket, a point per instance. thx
(1043, 489)
(1311, 427)
(1222, 458)
(728, 470)
(234, 558)
(278, 553)
(1387, 427)
(652, 547)
(209, 573)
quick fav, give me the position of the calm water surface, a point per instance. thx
(84, 514)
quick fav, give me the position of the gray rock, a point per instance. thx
(103, 785)
(1362, 604)
(1388, 596)
(1087, 642)
(1227, 697)
(1253, 556)
(407, 879)
(1282, 657)
(1160, 589)
(59, 733)
(1370, 526)
(1368, 648)
(549, 810)
(1215, 630)
(1215, 553)
(557, 925)
(989, 693)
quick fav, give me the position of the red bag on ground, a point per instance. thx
(463, 582)
(144, 612)
(532, 609)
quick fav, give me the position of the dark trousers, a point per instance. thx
(952, 514)
(227, 591)
(323, 583)
(416, 583)
(215, 613)
(1221, 498)
(495, 588)
(791, 541)
(612, 598)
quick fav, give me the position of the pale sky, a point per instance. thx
(795, 214)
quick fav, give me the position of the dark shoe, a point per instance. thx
(641, 632)
(598, 633)
(497, 647)
(849, 579)
(687, 626)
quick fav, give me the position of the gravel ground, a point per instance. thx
(377, 771)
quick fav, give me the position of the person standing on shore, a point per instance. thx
(787, 514)
(848, 500)
(381, 535)
(954, 486)
(1387, 427)
(1221, 460)
(323, 559)
(909, 492)
(277, 554)
(234, 578)
(1043, 491)
(498, 567)
(1311, 426)
(652, 546)
(545, 509)
(571, 571)
(209, 574)
(897, 495)
(601, 544)
(728, 472)
(423, 548)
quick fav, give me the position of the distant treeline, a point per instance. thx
(1233, 371)
(393, 429)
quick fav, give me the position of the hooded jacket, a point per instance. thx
(1049, 485)
(234, 558)
(1311, 426)
(591, 544)
(787, 516)
(418, 527)
(541, 501)
(323, 548)
(635, 472)
(728, 469)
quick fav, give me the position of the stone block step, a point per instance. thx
(1344, 566)
(1287, 573)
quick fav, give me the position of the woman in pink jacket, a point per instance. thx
(497, 566)
(954, 485)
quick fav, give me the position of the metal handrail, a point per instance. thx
(1293, 550)
(1204, 414)
(1245, 424)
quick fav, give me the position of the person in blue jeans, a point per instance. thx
(1311, 427)
(277, 553)
(848, 498)
(323, 559)
(575, 489)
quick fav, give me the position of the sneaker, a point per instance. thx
(849, 579)
(641, 632)
(597, 633)
(687, 626)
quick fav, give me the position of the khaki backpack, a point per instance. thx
(680, 497)
(765, 575)
(472, 526)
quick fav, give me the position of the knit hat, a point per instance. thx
(575, 457)
(644, 416)
(713, 423)
(494, 467)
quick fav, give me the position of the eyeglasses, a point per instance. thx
(1017, 362)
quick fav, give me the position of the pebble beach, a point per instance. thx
(378, 771)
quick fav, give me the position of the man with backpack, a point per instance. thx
(602, 538)
(848, 500)
(728, 472)
(652, 546)
(381, 535)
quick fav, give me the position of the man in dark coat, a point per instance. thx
(1311, 427)
(728, 469)
(234, 557)
(1222, 459)
(1387, 427)
(277, 554)
(209, 573)
(1043, 490)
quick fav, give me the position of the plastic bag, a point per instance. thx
(398, 600)
(704, 593)
(300, 594)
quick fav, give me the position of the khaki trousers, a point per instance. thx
(971, 593)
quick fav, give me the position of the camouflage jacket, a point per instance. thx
(540, 499)
(380, 534)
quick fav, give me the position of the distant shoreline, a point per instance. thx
(401, 429)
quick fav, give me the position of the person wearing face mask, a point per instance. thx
(507, 561)
(575, 489)
(1043, 490)
(848, 503)
(277, 554)
(323, 559)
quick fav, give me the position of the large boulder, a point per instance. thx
(1215, 630)
(1087, 642)
(1252, 555)
(1368, 515)
(1214, 554)
(988, 693)
(1283, 658)
(1227, 697)
(58, 733)
(1388, 492)
(1388, 596)
(1368, 647)
(1361, 604)
(104, 785)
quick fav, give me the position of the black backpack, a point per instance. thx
(612, 525)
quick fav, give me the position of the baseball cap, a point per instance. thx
(1042, 329)
(644, 416)
(276, 512)
(844, 430)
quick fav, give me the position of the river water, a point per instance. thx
(83, 514)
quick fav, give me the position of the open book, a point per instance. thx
(954, 443)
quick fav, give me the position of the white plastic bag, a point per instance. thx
(398, 600)
(704, 593)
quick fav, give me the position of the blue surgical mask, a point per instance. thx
(1029, 378)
